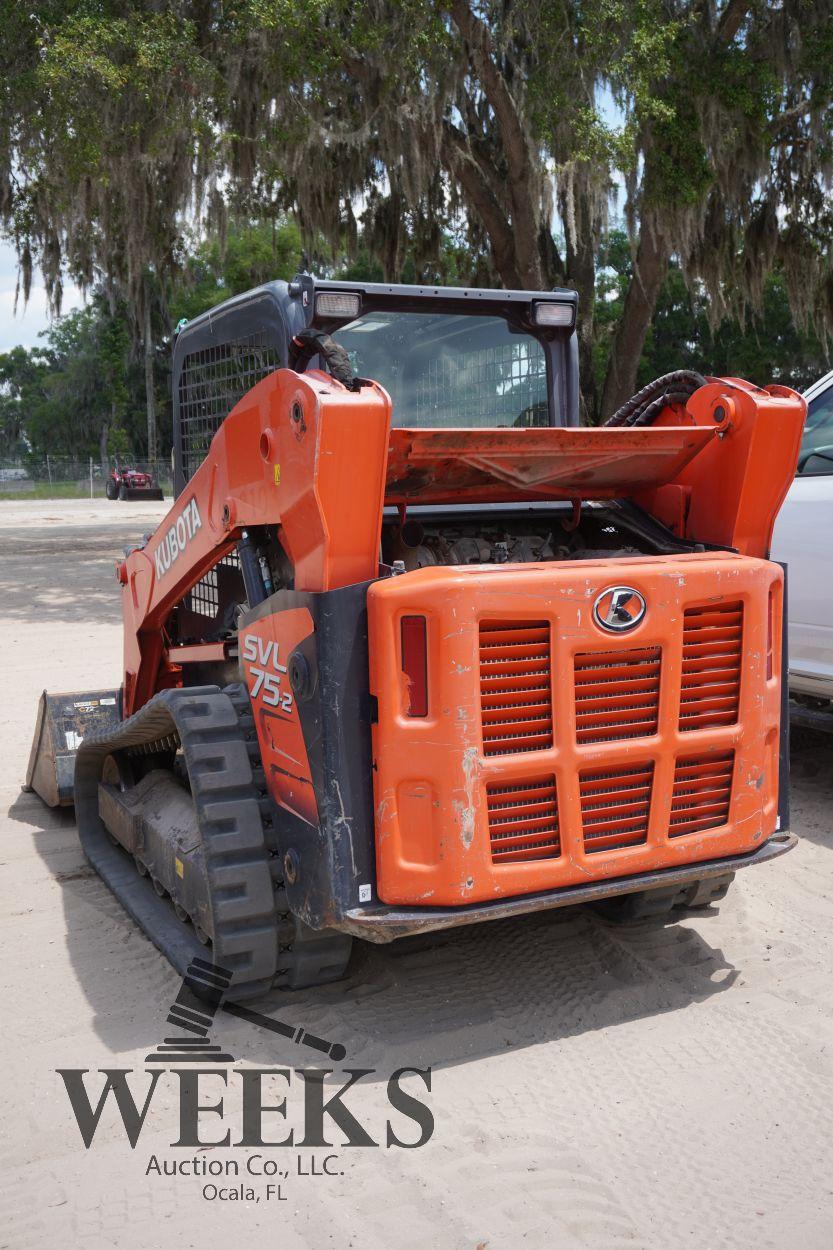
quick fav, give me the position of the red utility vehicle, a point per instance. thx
(124, 483)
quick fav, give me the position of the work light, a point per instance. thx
(337, 304)
(562, 315)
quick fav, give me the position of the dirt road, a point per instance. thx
(664, 1085)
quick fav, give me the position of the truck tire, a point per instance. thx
(111, 488)
(122, 491)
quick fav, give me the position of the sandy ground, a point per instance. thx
(668, 1084)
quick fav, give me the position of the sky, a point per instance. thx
(25, 327)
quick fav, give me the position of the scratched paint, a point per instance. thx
(449, 749)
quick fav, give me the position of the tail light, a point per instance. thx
(415, 664)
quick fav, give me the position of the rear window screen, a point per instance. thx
(446, 370)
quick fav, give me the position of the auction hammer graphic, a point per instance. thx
(200, 996)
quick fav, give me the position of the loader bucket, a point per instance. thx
(63, 721)
(145, 492)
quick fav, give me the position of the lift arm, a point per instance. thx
(301, 452)
(319, 460)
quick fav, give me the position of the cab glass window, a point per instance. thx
(446, 370)
(816, 455)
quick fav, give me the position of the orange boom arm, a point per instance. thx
(304, 453)
(299, 452)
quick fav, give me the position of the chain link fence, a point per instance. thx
(67, 477)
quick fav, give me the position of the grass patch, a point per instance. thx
(61, 490)
(47, 490)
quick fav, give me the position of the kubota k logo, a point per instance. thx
(619, 608)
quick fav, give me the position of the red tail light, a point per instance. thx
(415, 664)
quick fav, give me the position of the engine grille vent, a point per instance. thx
(523, 821)
(615, 807)
(702, 793)
(617, 694)
(515, 691)
(712, 643)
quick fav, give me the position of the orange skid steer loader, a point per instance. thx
(413, 650)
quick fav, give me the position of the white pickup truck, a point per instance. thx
(803, 540)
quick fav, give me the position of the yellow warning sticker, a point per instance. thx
(277, 475)
(178, 865)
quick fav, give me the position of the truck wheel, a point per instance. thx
(122, 491)
(111, 488)
(645, 903)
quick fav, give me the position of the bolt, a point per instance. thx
(301, 677)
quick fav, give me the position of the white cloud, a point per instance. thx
(24, 327)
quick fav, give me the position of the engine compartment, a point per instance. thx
(494, 535)
(425, 537)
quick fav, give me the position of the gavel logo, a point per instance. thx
(200, 997)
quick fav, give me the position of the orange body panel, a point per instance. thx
(555, 753)
(733, 489)
(265, 646)
(491, 466)
(301, 452)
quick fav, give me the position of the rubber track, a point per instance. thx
(305, 956)
(246, 919)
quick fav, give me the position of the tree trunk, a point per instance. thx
(103, 440)
(581, 274)
(485, 204)
(522, 183)
(150, 395)
(629, 339)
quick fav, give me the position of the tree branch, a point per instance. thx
(733, 17)
(523, 174)
(485, 204)
(789, 115)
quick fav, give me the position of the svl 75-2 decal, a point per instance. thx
(265, 672)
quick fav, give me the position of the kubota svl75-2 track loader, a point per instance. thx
(417, 651)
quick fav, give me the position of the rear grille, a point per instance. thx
(523, 822)
(712, 642)
(615, 807)
(617, 694)
(702, 793)
(515, 692)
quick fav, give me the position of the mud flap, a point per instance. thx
(63, 721)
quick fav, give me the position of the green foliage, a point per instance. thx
(22, 376)
(80, 395)
(249, 255)
(83, 392)
(765, 348)
(424, 140)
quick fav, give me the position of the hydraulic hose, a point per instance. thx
(644, 407)
(312, 342)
